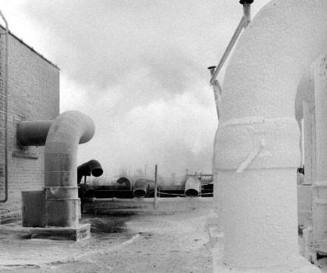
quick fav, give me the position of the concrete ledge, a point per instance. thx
(62, 233)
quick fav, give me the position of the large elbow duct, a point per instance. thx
(257, 151)
(92, 167)
(66, 132)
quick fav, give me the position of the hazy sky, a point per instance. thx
(139, 69)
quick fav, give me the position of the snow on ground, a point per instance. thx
(178, 242)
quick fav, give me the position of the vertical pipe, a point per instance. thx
(155, 200)
(305, 116)
(217, 92)
(302, 141)
(60, 164)
(6, 107)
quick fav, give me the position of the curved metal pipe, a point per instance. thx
(92, 167)
(257, 151)
(141, 187)
(33, 133)
(140, 190)
(127, 181)
(192, 186)
(66, 132)
(5, 86)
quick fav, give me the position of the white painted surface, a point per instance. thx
(218, 193)
(304, 196)
(258, 130)
(320, 183)
(309, 141)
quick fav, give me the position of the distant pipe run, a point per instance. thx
(92, 167)
(5, 86)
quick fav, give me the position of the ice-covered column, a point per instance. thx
(320, 184)
(257, 150)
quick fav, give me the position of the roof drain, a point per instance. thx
(5, 86)
(261, 80)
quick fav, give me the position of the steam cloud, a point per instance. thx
(138, 68)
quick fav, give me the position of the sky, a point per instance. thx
(138, 68)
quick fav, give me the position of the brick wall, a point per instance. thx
(33, 94)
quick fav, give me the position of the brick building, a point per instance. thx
(33, 94)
